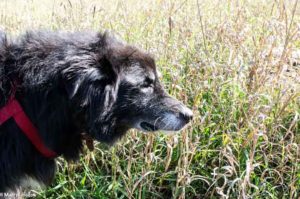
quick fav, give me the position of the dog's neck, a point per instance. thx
(58, 126)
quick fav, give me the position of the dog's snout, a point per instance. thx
(175, 116)
(180, 109)
(186, 114)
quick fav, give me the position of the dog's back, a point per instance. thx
(2, 36)
(2, 75)
(5, 83)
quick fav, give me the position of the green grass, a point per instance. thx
(232, 62)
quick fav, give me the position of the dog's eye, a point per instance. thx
(148, 83)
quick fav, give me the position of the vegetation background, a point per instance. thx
(236, 63)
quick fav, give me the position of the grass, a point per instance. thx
(236, 63)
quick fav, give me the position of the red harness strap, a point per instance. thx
(14, 110)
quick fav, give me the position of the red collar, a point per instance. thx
(13, 109)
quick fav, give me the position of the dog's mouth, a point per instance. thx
(148, 127)
(166, 122)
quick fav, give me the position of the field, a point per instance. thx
(235, 63)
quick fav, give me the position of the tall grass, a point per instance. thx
(236, 63)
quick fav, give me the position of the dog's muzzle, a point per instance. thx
(173, 116)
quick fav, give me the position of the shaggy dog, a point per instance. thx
(70, 83)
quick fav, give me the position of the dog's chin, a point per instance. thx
(145, 126)
(109, 135)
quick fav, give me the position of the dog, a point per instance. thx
(62, 84)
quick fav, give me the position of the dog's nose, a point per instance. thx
(186, 114)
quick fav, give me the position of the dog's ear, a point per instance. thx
(114, 50)
(75, 78)
(72, 82)
(81, 81)
(109, 82)
(100, 71)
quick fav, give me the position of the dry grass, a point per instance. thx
(235, 62)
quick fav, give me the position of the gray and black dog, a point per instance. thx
(70, 83)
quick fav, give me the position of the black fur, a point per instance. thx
(70, 83)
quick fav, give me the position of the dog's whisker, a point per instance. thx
(156, 120)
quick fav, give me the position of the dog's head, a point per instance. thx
(116, 87)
